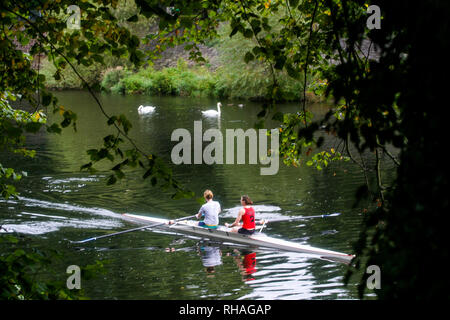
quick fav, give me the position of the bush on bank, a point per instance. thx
(197, 82)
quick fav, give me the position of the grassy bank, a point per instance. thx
(231, 78)
(246, 83)
(243, 83)
(177, 81)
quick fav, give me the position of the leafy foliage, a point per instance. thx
(21, 276)
(13, 125)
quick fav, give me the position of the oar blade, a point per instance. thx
(78, 241)
(333, 214)
(83, 241)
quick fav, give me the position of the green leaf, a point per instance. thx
(54, 128)
(248, 57)
(256, 50)
(279, 62)
(33, 127)
(292, 72)
(119, 174)
(98, 58)
(255, 23)
(86, 166)
(46, 99)
(112, 180)
(147, 173)
(126, 124)
(234, 31)
(248, 33)
(262, 113)
(117, 167)
(293, 3)
(111, 120)
(93, 153)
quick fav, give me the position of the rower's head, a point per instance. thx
(208, 195)
(245, 200)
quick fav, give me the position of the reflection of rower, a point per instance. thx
(250, 263)
(211, 257)
(247, 265)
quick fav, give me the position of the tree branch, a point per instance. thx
(307, 58)
(393, 158)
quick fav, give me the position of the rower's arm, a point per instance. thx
(238, 218)
(200, 213)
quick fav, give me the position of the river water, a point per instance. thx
(59, 203)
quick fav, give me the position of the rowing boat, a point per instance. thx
(223, 233)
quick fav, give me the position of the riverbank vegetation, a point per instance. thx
(225, 72)
(230, 77)
(196, 82)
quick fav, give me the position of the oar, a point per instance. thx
(131, 230)
(302, 218)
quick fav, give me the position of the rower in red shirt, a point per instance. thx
(247, 215)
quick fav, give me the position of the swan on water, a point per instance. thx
(213, 113)
(145, 109)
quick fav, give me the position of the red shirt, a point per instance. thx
(248, 219)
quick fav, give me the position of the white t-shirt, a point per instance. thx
(210, 211)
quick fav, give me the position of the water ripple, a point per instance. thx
(53, 216)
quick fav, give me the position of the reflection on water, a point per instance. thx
(211, 257)
(246, 262)
(60, 203)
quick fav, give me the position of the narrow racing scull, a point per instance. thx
(222, 233)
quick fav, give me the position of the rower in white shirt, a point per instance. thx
(210, 211)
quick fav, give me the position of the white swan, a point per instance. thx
(213, 113)
(145, 109)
